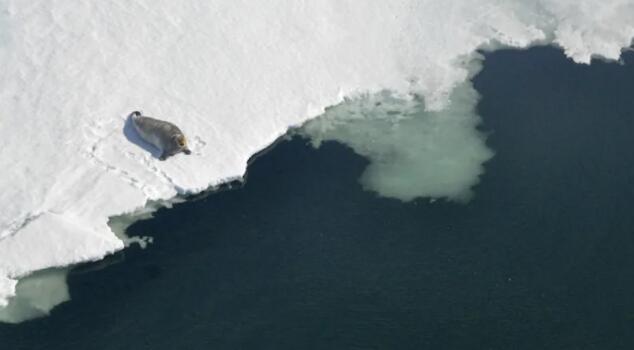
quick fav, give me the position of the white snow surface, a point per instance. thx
(234, 75)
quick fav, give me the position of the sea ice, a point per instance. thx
(234, 76)
(412, 152)
(36, 295)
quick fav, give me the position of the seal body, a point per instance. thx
(165, 136)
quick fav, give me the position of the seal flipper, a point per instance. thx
(164, 156)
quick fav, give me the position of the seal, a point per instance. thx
(164, 135)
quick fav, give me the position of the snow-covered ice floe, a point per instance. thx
(234, 76)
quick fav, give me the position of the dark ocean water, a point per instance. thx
(302, 258)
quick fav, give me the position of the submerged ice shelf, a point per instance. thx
(234, 77)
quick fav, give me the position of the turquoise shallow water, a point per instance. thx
(302, 258)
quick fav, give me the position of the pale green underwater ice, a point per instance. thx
(412, 152)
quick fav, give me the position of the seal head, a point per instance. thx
(164, 135)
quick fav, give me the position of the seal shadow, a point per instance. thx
(133, 136)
